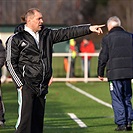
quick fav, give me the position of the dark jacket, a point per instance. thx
(28, 64)
(117, 55)
(2, 55)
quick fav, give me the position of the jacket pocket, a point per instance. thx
(34, 71)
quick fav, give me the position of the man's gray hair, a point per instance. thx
(114, 21)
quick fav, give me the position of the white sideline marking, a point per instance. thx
(77, 120)
(89, 95)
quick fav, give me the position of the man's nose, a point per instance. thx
(41, 20)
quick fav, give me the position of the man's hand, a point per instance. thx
(21, 87)
(97, 28)
(50, 81)
(101, 78)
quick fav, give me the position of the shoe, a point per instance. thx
(121, 128)
(129, 127)
(1, 124)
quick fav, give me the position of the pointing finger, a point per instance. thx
(99, 26)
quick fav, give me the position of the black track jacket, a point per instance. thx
(2, 56)
(117, 55)
(29, 65)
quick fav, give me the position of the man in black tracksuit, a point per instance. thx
(2, 61)
(117, 55)
(29, 61)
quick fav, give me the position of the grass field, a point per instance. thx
(62, 100)
(58, 68)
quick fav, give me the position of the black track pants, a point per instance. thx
(31, 112)
(2, 109)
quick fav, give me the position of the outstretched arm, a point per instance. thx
(64, 34)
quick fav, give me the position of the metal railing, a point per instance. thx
(85, 78)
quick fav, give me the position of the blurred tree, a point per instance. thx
(89, 9)
(124, 10)
(70, 12)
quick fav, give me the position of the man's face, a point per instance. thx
(35, 21)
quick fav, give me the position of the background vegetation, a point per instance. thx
(70, 12)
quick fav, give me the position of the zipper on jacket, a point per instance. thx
(23, 70)
(43, 74)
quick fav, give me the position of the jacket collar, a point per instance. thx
(118, 28)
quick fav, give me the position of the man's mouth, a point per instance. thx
(40, 25)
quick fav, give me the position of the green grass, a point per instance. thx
(58, 67)
(94, 115)
(62, 100)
